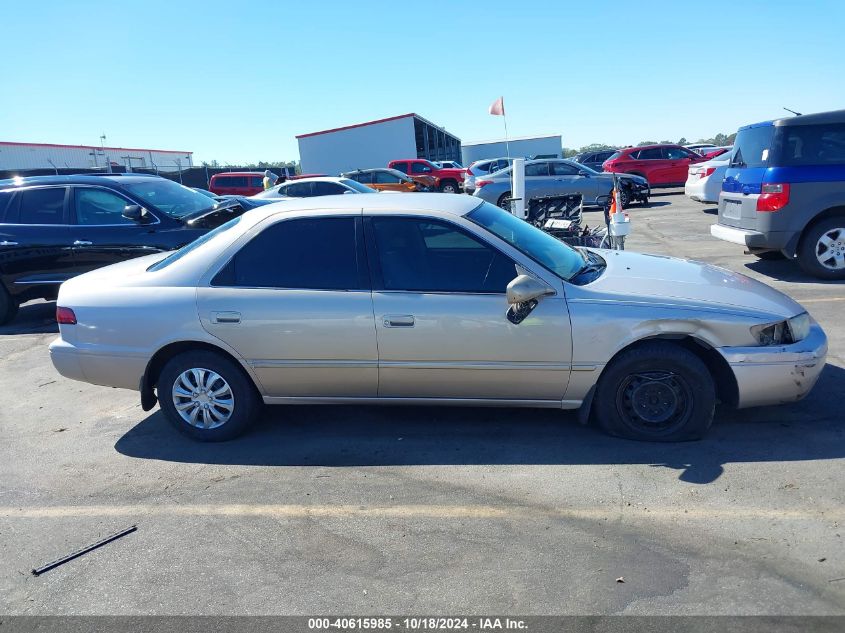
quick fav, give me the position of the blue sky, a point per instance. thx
(236, 81)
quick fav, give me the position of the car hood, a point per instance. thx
(679, 282)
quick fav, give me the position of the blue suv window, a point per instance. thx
(811, 145)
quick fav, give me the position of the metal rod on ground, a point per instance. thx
(64, 559)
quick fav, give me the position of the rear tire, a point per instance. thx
(656, 392)
(207, 396)
(503, 202)
(8, 307)
(824, 242)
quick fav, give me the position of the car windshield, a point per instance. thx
(357, 186)
(170, 197)
(551, 253)
(188, 248)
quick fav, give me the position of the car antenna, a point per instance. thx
(793, 111)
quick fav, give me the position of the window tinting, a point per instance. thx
(312, 253)
(42, 206)
(676, 153)
(537, 169)
(811, 145)
(328, 189)
(564, 169)
(364, 177)
(297, 190)
(655, 153)
(256, 181)
(751, 147)
(420, 255)
(403, 167)
(231, 181)
(386, 178)
(98, 206)
(420, 168)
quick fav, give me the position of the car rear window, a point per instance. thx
(808, 145)
(752, 146)
(614, 156)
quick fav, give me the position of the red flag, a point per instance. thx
(497, 108)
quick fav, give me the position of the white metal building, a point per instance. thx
(374, 144)
(25, 156)
(521, 147)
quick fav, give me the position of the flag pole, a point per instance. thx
(507, 143)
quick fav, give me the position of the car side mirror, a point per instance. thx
(523, 295)
(135, 212)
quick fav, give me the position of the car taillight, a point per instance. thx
(65, 316)
(706, 171)
(773, 196)
(480, 183)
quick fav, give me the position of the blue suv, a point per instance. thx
(784, 192)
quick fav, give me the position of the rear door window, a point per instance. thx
(297, 190)
(43, 206)
(537, 169)
(564, 169)
(310, 253)
(654, 153)
(811, 145)
(328, 189)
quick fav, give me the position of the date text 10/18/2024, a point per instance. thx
(417, 624)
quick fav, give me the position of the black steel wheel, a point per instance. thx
(657, 391)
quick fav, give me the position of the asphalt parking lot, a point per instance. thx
(437, 511)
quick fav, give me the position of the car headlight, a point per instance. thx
(783, 332)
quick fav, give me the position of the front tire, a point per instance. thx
(449, 186)
(503, 202)
(656, 392)
(207, 396)
(822, 250)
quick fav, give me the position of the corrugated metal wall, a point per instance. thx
(519, 148)
(358, 147)
(22, 156)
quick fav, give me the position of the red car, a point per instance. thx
(237, 183)
(661, 165)
(449, 179)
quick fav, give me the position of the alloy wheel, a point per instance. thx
(830, 249)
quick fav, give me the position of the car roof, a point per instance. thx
(834, 116)
(240, 173)
(76, 179)
(458, 204)
(652, 146)
(314, 179)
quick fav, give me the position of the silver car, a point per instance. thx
(555, 177)
(313, 187)
(430, 299)
(481, 168)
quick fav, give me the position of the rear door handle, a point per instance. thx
(225, 317)
(82, 243)
(398, 320)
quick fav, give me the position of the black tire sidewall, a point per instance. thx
(507, 194)
(246, 397)
(449, 183)
(807, 251)
(8, 307)
(652, 357)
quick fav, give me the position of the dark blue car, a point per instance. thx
(784, 192)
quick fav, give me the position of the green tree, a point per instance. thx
(682, 141)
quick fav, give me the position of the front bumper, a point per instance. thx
(777, 374)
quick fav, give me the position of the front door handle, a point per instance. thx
(225, 317)
(398, 320)
(82, 243)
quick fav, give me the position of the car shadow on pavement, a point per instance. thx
(786, 270)
(33, 318)
(338, 436)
